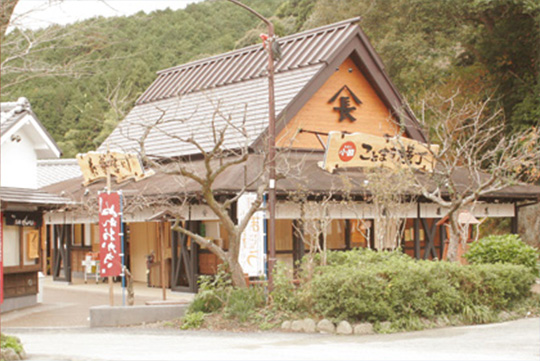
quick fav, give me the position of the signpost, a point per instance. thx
(123, 166)
(367, 151)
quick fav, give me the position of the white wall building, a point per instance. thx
(24, 141)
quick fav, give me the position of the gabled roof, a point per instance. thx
(231, 89)
(15, 115)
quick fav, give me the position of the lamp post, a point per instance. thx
(271, 146)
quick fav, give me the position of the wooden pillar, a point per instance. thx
(162, 255)
(67, 245)
(515, 220)
(174, 258)
(442, 237)
(417, 233)
(194, 253)
(347, 234)
(417, 238)
(372, 234)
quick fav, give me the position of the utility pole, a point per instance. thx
(271, 146)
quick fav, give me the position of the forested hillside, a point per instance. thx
(85, 77)
(481, 48)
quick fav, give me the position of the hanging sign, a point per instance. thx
(368, 151)
(110, 221)
(123, 166)
(251, 256)
(24, 219)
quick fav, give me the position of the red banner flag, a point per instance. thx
(109, 234)
(1, 257)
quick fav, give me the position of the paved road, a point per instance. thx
(68, 305)
(516, 340)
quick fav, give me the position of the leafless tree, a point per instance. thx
(204, 173)
(389, 191)
(313, 224)
(475, 158)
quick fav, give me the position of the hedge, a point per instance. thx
(364, 285)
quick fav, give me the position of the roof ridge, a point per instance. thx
(253, 47)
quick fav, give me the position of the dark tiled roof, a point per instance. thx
(299, 50)
(302, 173)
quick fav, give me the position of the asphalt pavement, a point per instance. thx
(58, 330)
(515, 340)
(68, 305)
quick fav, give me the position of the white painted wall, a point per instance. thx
(19, 162)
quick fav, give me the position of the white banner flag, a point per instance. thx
(251, 255)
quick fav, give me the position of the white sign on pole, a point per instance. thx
(251, 255)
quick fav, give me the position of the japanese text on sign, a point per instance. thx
(251, 256)
(110, 234)
(123, 166)
(366, 150)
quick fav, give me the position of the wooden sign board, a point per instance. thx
(32, 244)
(123, 166)
(368, 151)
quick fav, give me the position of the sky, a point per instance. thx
(36, 14)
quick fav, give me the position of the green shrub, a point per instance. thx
(192, 320)
(10, 342)
(243, 302)
(216, 293)
(503, 249)
(365, 286)
(213, 292)
(284, 297)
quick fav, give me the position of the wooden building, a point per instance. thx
(329, 79)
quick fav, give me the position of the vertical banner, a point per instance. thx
(251, 255)
(110, 234)
(1, 258)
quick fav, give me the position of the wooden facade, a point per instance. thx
(372, 115)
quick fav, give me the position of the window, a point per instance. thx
(12, 246)
(82, 235)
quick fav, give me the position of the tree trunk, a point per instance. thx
(237, 273)
(6, 11)
(453, 238)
